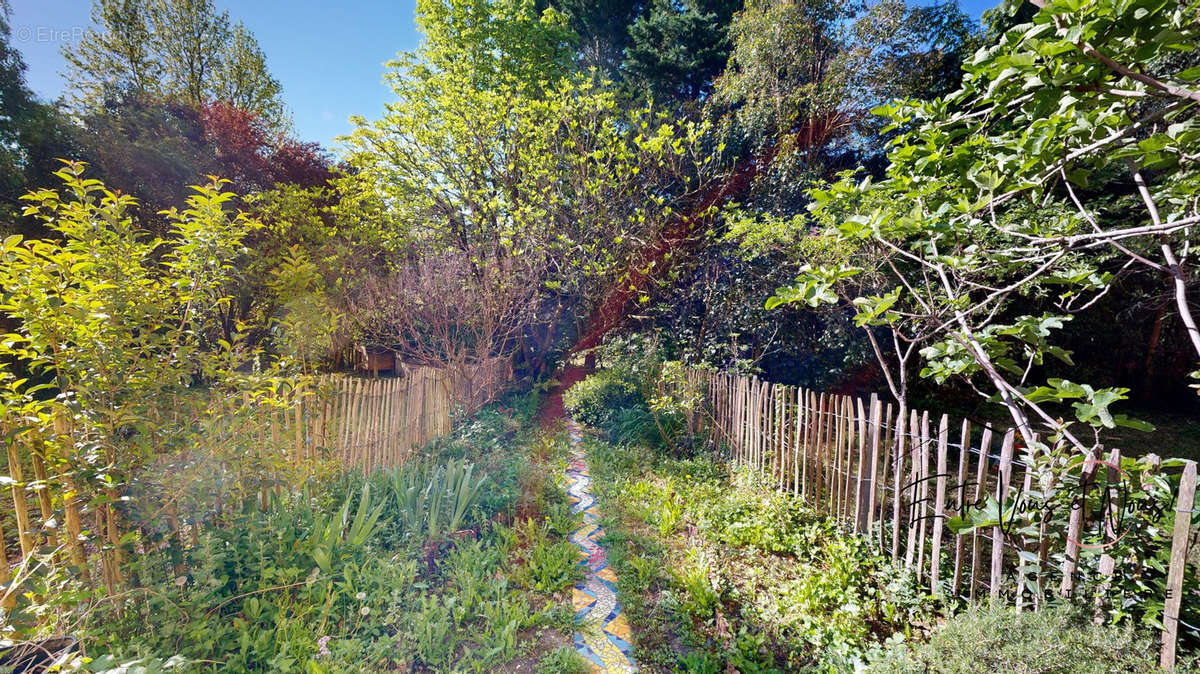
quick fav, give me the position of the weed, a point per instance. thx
(563, 660)
(548, 564)
(700, 597)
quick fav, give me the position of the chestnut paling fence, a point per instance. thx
(246, 450)
(899, 476)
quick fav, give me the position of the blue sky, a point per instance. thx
(328, 55)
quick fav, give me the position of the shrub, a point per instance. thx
(1055, 639)
(594, 400)
(632, 426)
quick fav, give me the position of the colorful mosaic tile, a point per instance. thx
(603, 636)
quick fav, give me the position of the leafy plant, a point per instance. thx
(1054, 639)
(547, 563)
(563, 660)
(434, 500)
(700, 597)
(331, 532)
(594, 400)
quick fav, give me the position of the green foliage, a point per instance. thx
(184, 49)
(258, 591)
(632, 425)
(329, 579)
(1146, 519)
(1055, 639)
(549, 564)
(434, 500)
(1001, 197)
(123, 335)
(563, 660)
(34, 134)
(596, 399)
(677, 49)
(487, 100)
(802, 75)
(762, 585)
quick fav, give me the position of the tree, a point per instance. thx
(121, 326)
(446, 310)
(33, 135)
(676, 50)
(184, 50)
(116, 57)
(792, 106)
(190, 38)
(505, 43)
(244, 81)
(803, 74)
(603, 30)
(501, 159)
(153, 150)
(1065, 161)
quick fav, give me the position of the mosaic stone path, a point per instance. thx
(603, 633)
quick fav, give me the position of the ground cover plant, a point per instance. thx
(456, 561)
(720, 569)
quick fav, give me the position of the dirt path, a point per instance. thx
(551, 414)
(603, 633)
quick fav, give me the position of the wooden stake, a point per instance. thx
(1184, 503)
(1006, 453)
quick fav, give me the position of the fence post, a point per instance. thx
(863, 487)
(916, 532)
(872, 471)
(897, 493)
(20, 499)
(939, 507)
(837, 405)
(964, 461)
(854, 420)
(1006, 452)
(797, 432)
(1075, 527)
(985, 445)
(1179, 543)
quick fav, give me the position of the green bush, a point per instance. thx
(1057, 639)
(594, 400)
(632, 426)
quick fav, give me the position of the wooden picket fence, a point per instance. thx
(376, 423)
(896, 476)
(250, 447)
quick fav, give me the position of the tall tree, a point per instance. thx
(1065, 162)
(804, 74)
(33, 136)
(116, 57)
(498, 164)
(183, 50)
(190, 38)
(244, 81)
(676, 50)
(603, 30)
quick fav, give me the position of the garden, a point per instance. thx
(704, 336)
